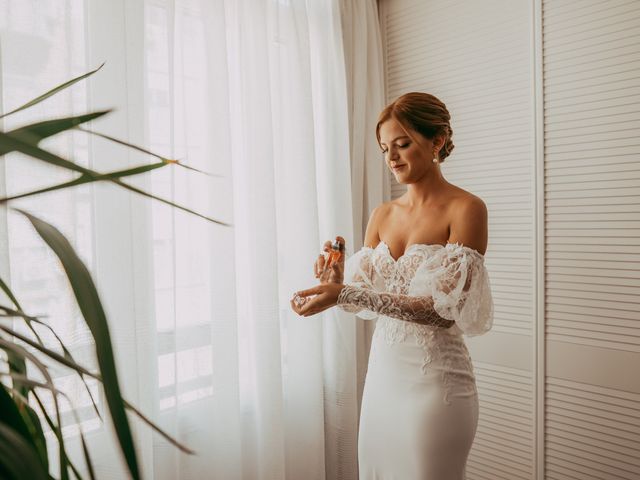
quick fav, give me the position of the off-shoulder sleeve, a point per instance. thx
(359, 271)
(456, 278)
(364, 294)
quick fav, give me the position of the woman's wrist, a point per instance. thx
(343, 295)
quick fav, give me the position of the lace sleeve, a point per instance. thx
(359, 272)
(458, 282)
(403, 307)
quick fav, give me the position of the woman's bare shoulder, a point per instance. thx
(395, 204)
(469, 222)
(376, 218)
(461, 199)
(383, 209)
(467, 201)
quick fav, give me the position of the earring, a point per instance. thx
(435, 157)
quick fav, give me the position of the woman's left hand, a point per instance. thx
(326, 296)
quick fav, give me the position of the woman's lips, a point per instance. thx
(398, 167)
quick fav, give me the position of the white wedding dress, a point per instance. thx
(420, 403)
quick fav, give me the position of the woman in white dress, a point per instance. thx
(421, 275)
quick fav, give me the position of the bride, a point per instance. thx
(421, 274)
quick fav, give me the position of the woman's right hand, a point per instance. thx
(334, 274)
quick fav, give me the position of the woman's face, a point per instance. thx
(407, 159)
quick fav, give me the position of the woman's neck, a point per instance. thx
(426, 190)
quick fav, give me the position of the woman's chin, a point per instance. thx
(400, 177)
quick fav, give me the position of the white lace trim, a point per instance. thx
(457, 282)
(453, 275)
(442, 351)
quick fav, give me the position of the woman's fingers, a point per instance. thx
(298, 308)
(310, 291)
(298, 301)
(318, 267)
(320, 264)
(302, 304)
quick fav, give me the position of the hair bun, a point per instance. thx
(423, 113)
(446, 149)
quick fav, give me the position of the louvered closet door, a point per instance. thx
(591, 58)
(477, 58)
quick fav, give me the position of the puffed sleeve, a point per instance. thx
(364, 295)
(359, 271)
(456, 278)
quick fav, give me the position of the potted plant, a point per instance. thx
(23, 449)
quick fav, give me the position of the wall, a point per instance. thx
(545, 106)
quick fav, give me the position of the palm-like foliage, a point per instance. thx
(23, 449)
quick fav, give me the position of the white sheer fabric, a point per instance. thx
(256, 93)
(443, 282)
(365, 82)
(420, 401)
(417, 309)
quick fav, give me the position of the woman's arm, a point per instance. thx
(417, 309)
(402, 307)
(451, 286)
(361, 275)
(470, 224)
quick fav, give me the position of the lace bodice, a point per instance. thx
(426, 299)
(430, 286)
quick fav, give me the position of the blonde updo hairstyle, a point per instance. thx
(423, 113)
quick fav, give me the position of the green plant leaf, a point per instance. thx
(58, 431)
(31, 419)
(19, 366)
(143, 150)
(52, 426)
(15, 144)
(51, 92)
(80, 369)
(18, 459)
(12, 144)
(94, 315)
(87, 179)
(9, 345)
(126, 144)
(10, 415)
(67, 354)
(35, 429)
(87, 457)
(167, 202)
(16, 363)
(5, 288)
(34, 133)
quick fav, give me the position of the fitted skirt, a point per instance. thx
(419, 413)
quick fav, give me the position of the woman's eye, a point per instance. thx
(399, 146)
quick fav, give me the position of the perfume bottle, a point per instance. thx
(335, 254)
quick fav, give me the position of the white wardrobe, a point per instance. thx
(545, 103)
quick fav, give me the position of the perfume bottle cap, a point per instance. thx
(337, 246)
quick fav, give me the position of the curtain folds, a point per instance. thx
(366, 98)
(277, 101)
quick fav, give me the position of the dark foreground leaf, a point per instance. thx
(93, 313)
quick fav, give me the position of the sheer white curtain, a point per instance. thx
(366, 92)
(256, 93)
